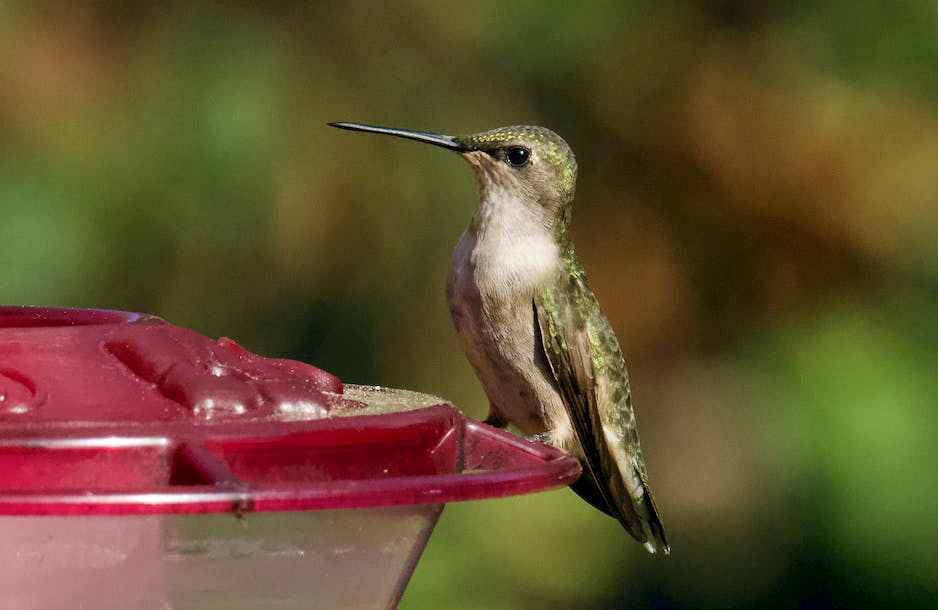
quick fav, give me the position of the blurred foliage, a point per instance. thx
(757, 210)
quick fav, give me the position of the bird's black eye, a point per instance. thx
(517, 156)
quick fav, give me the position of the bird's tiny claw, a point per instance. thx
(542, 437)
(494, 420)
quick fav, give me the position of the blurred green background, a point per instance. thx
(757, 211)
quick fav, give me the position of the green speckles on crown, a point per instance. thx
(545, 140)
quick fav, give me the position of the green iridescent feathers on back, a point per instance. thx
(584, 357)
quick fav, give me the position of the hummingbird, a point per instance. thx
(546, 355)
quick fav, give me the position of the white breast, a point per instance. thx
(512, 252)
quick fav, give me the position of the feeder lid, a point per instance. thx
(106, 412)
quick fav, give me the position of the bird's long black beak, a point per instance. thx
(449, 142)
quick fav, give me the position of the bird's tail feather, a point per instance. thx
(653, 528)
(638, 515)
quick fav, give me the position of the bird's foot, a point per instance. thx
(494, 420)
(542, 437)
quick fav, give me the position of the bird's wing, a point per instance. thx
(587, 365)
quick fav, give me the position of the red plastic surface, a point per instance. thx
(118, 413)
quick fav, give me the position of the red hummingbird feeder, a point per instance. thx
(145, 466)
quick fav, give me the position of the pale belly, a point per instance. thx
(497, 330)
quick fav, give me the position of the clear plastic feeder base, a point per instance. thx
(354, 558)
